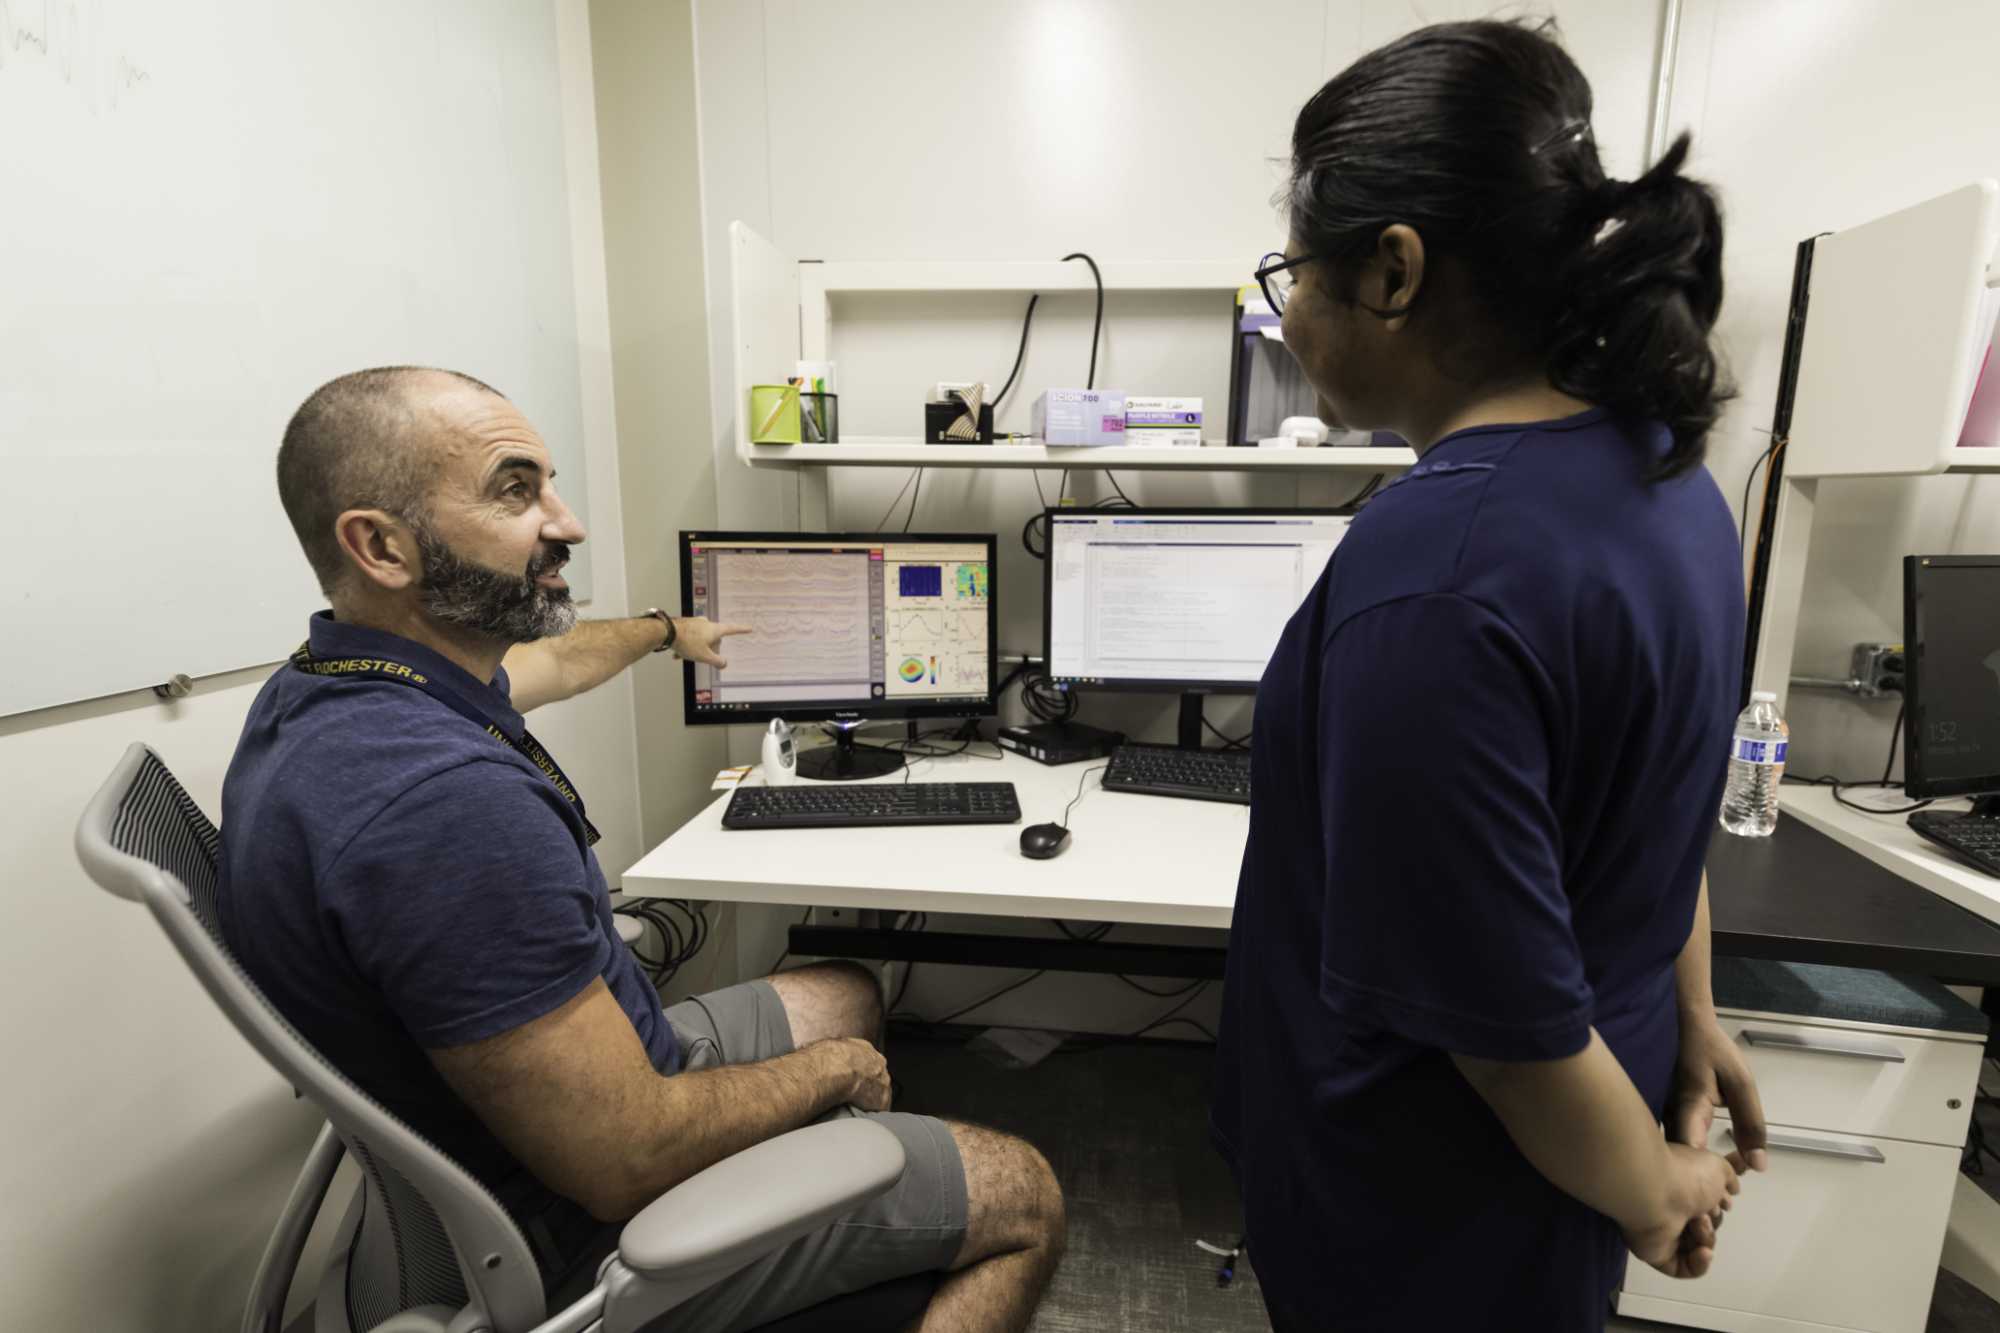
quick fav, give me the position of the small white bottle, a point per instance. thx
(1756, 765)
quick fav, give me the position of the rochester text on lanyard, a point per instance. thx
(383, 669)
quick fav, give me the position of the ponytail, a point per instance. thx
(1641, 297)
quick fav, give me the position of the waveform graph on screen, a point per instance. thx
(935, 627)
(808, 615)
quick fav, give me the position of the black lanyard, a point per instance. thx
(381, 668)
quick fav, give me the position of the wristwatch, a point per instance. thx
(673, 633)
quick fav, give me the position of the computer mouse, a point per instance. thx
(1041, 841)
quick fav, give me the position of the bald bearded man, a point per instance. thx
(408, 875)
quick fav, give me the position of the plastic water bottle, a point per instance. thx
(1756, 763)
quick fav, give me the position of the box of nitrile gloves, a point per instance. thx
(1079, 416)
(1172, 422)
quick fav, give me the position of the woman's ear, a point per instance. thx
(1399, 268)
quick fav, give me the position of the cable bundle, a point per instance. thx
(683, 930)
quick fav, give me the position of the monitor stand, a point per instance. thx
(1190, 728)
(1987, 806)
(845, 761)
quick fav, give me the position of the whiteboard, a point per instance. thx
(207, 209)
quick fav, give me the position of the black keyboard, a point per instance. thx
(856, 803)
(1974, 837)
(1168, 770)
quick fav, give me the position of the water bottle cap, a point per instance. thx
(1763, 697)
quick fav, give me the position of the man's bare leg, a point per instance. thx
(1013, 1237)
(824, 1000)
(1014, 1221)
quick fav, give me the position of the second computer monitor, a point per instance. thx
(1951, 644)
(1177, 600)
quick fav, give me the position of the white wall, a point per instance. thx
(144, 1140)
(1810, 116)
(1131, 129)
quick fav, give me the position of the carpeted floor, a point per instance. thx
(1125, 1129)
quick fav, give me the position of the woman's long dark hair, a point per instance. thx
(1478, 136)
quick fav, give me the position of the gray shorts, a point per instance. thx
(917, 1226)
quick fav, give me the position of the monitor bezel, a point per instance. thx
(1135, 685)
(887, 710)
(1915, 781)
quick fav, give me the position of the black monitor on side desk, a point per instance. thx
(1176, 601)
(1951, 636)
(847, 628)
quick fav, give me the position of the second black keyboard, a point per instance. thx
(1168, 770)
(854, 804)
(1974, 837)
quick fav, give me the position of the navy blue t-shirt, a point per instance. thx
(396, 879)
(1488, 754)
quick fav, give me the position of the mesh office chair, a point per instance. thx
(424, 1248)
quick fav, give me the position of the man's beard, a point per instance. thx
(471, 596)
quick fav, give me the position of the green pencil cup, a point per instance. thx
(774, 414)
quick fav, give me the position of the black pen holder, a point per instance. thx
(819, 418)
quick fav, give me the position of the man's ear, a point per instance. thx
(1399, 271)
(379, 546)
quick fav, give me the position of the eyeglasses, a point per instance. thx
(1275, 276)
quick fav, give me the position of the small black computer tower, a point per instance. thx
(1060, 742)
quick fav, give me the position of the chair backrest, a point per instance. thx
(429, 1234)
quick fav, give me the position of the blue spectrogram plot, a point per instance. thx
(921, 580)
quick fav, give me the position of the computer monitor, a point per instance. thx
(1187, 601)
(847, 628)
(1951, 645)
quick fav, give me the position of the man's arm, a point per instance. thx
(549, 670)
(1583, 1125)
(574, 1097)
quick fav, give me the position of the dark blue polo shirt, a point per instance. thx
(1488, 754)
(394, 878)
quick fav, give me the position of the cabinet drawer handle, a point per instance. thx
(1858, 1152)
(1888, 1055)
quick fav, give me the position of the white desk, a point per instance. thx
(1139, 859)
(1972, 1243)
(1889, 842)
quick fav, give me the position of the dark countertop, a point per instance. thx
(1798, 896)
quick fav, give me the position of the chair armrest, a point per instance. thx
(745, 1206)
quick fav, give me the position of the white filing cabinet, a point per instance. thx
(1867, 1120)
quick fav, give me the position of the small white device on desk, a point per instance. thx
(781, 754)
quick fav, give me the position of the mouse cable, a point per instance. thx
(1081, 779)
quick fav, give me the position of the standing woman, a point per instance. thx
(1468, 974)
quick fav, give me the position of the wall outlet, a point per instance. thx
(1877, 669)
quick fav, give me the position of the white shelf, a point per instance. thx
(838, 276)
(1972, 460)
(914, 453)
